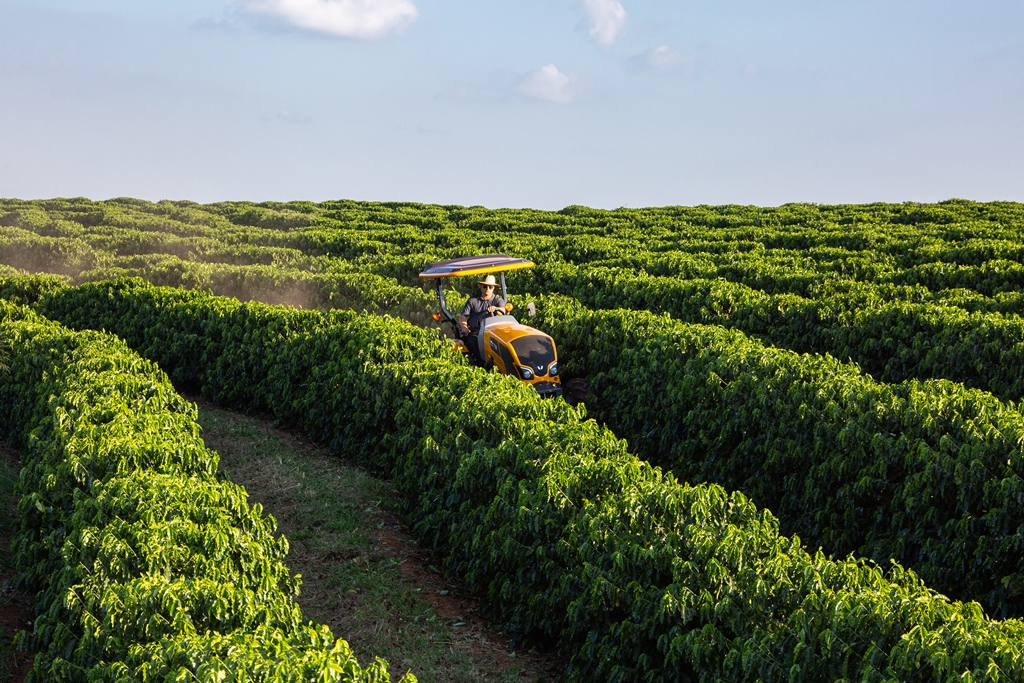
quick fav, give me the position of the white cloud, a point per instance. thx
(365, 19)
(664, 58)
(550, 85)
(606, 19)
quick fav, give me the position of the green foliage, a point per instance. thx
(819, 279)
(146, 567)
(926, 473)
(894, 340)
(26, 290)
(573, 539)
(921, 470)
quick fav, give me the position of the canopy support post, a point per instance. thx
(444, 308)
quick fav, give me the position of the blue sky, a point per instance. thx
(527, 103)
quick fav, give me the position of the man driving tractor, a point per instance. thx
(500, 343)
(480, 306)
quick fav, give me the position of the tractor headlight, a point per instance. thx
(525, 373)
(553, 370)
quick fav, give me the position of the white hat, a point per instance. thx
(489, 280)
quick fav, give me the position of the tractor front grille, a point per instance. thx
(548, 389)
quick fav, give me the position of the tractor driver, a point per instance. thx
(479, 306)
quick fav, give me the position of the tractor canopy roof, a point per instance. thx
(474, 265)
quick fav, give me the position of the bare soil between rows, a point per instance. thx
(460, 632)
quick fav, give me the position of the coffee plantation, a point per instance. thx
(841, 378)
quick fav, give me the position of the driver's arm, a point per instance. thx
(464, 318)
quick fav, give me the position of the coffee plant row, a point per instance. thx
(146, 566)
(572, 539)
(894, 340)
(955, 244)
(926, 473)
(906, 291)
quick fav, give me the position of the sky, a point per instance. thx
(523, 103)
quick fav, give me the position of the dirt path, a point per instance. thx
(363, 574)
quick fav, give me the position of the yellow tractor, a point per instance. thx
(502, 342)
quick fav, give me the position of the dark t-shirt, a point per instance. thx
(476, 308)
